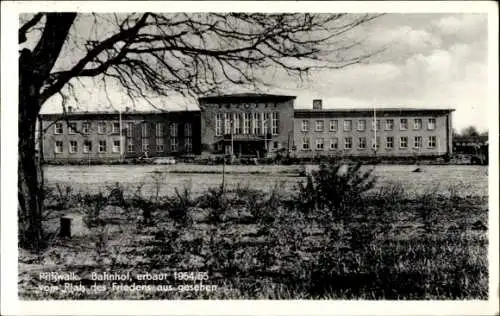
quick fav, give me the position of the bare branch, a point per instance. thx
(23, 30)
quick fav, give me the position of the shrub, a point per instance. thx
(334, 187)
(215, 200)
(178, 205)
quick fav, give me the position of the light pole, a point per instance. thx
(121, 136)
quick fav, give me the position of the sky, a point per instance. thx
(432, 61)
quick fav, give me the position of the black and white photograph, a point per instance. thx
(283, 151)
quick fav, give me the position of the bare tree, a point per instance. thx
(157, 54)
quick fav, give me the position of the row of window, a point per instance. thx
(362, 143)
(246, 123)
(102, 128)
(116, 146)
(361, 124)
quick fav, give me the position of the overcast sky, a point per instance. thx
(433, 61)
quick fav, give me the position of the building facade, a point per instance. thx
(368, 132)
(109, 136)
(246, 124)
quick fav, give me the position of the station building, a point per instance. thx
(111, 136)
(383, 132)
(248, 125)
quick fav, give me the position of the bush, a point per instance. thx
(179, 204)
(334, 187)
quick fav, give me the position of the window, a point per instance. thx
(130, 129)
(403, 142)
(227, 123)
(174, 144)
(417, 123)
(257, 124)
(276, 145)
(334, 143)
(404, 124)
(376, 125)
(145, 144)
(189, 144)
(305, 125)
(376, 143)
(102, 146)
(347, 125)
(236, 123)
(389, 124)
(188, 129)
(101, 127)
(348, 142)
(431, 124)
(73, 146)
(320, 125)
(87, 146)
(115, 128)
(246, 123)
(85, 127)
(389, 142)
(432, 141)
(174, 141)
(417, 142)
(320, 142)
(188, 137)
(362, 143)
(159, 129)
(159, 137)
(58, 148)
(361, 125)
(173, 129)
(130, 145)
(275, 123)
(116, 146)
(265, 123)
(58, 128)
(218, 124)
(334, 125)
(305, 143)
(71, 128)
(144, 130)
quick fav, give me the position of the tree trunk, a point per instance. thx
(34, 70)
(29, 193)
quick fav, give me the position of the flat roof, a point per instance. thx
(367, 111)
(247, 96)
(75, 114)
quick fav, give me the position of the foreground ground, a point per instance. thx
(393, 243)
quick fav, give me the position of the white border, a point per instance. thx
(10, 304)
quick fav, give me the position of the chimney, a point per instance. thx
(70, 109)
(317, 104)
(127, 109)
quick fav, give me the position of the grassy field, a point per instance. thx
(468, 180)
(411, 236)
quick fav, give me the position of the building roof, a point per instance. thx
(246, 97)
(88, 114)
(367, 111)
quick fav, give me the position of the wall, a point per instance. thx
(210, 108)
(441, 132)
(50, 138)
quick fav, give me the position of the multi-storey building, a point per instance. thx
(108, 136)
(369, 132)
(246, 124)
